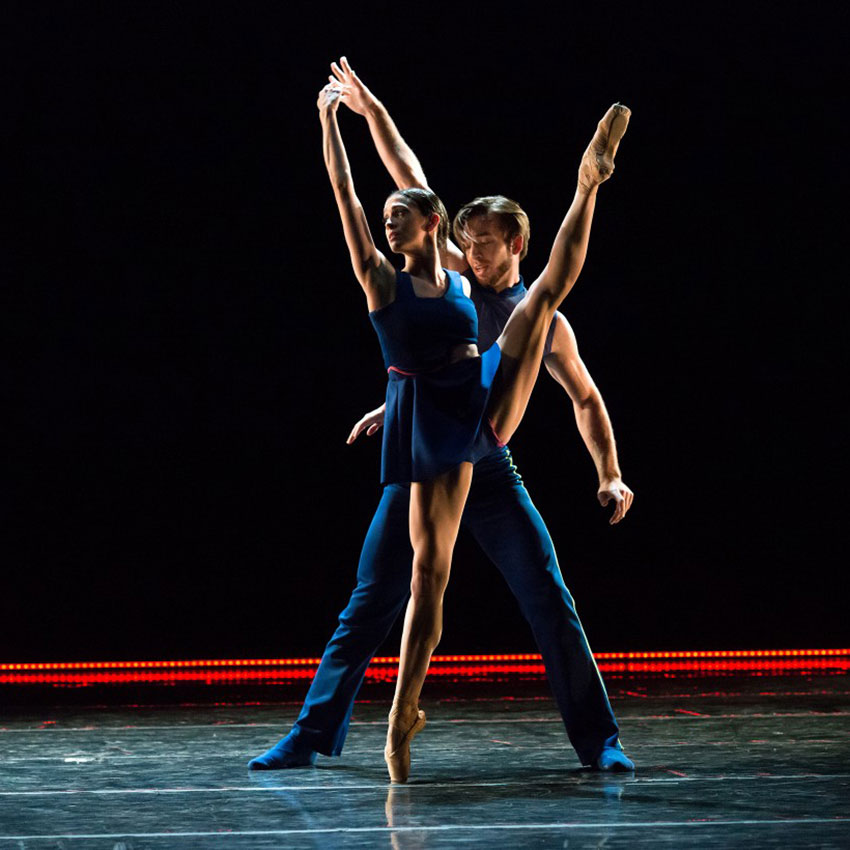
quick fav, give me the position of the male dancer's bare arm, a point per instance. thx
(567, 368)
(397, 156)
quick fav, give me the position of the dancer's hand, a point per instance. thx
(615, 490)
(371, 423)
(328, 100)
(355, 95)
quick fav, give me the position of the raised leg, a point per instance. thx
(435, 510)
(524, 336)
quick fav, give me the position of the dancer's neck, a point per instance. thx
(425, 265)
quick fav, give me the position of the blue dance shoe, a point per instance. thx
(282, 756)
(612, 760)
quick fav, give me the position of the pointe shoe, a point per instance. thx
(597, 162)
(398, 759)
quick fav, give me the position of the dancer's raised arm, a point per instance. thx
(397, 156)
(374, 272)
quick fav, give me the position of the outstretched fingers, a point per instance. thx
(371, 423)
(355, 94)
(349, 74)
(344, 73)
(359, 428)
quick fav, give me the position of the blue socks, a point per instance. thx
(284, 754)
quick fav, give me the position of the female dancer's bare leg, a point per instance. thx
(435, 511)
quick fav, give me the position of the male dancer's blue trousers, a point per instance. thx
(500, 515)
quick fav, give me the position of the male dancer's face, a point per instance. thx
(493, 258)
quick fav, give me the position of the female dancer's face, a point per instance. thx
(406, 228)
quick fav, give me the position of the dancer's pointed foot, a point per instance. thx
(613, 760)
(597, 163)
(404, 726)
(282, 756)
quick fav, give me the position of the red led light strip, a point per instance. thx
(183, 664)
(282, 670)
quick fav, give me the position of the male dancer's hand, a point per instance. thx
(614, 490)
(355, 95)
(371, 423)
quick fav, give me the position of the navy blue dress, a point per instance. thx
(435, 415)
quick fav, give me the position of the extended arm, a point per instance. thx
(372, 269)
(398, 157)
(567, 368)
(395, 153)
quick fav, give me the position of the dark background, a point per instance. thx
(189, 348)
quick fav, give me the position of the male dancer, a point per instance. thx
(499, 513)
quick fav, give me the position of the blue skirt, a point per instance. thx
(435, 421)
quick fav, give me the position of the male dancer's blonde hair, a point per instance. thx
(510, 214)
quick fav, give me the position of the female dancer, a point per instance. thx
(446, 404)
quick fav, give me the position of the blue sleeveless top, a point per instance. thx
(418, 334)
(435, 416)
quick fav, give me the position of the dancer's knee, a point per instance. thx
(429, 578)
(432, 558)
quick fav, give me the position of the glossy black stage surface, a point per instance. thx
(729, 761)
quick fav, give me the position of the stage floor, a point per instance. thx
(721, 762)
